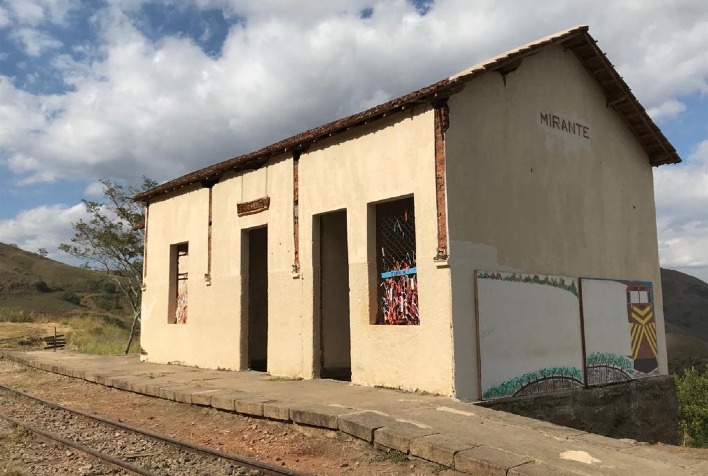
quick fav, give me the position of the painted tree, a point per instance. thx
(111, 239)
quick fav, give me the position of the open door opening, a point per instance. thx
(257, 243)
(335, 341)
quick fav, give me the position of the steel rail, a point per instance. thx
(97, 455)
(244, 461)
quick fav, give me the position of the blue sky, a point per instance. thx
(121, 89)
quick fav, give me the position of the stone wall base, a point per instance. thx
(644, 409)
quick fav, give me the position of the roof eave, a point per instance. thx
(620, 97)
(304, 140)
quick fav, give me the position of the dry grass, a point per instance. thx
(85, 333)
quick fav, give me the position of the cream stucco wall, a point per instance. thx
(212, 336)
(393, 159)
(390, 159)
(526, 197)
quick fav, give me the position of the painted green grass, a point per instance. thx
(513, 385)
(610, 359)
(552, 281)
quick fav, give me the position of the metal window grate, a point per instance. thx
(396, 259)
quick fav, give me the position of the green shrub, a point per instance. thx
(110, 288)
(114, 321)
(692, 390)
(42, 287)
(73, 298)
(681, 363)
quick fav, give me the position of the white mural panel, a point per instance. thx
(529, 333)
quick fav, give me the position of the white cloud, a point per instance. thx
(27, 11)
(42, 227)
(35, 12)
(4, 18)
(94, 190)
(682, 213)
(167, 108)
(669, 109)
(163, 109)
(35, 42)
(21, 113)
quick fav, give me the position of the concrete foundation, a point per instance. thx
(644, 409)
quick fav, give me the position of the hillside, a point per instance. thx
(33, 283)
(685, 303)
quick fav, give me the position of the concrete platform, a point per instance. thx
(464, 436)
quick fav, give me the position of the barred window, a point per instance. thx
(397, 281)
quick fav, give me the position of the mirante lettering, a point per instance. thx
(565, 125)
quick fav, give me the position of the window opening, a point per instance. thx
(179, 255)
(396, 263)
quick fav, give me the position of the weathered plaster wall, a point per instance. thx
(390, 159)
(393, 159)
(527, 197)
(201, 341)
(212, 336)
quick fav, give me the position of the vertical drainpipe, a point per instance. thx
(442, 122)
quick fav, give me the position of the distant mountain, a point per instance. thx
(33, 283)
(686, 316)
(685, 303)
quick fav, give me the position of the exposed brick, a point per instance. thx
(296, 211)
(441, 123)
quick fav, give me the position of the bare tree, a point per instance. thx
(112, 238)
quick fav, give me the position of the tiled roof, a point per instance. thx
(577, 39)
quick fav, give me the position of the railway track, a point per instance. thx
(125, 448)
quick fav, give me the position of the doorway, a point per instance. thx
(256, 242)
(332, 251)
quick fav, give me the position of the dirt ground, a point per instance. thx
(316, 451)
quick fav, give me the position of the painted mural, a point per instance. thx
(396, 259)
(540, 381)
(620, 330)
(530, 338)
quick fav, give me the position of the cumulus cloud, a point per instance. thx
(165, 108)
(42, 227)
(35, 42)
(94, 190)
(682, 209)
(36, 12)
(4, 18)
(138, 106)
(669, 109)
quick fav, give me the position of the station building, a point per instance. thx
(489, 235)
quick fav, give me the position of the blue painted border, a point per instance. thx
(399, 272)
